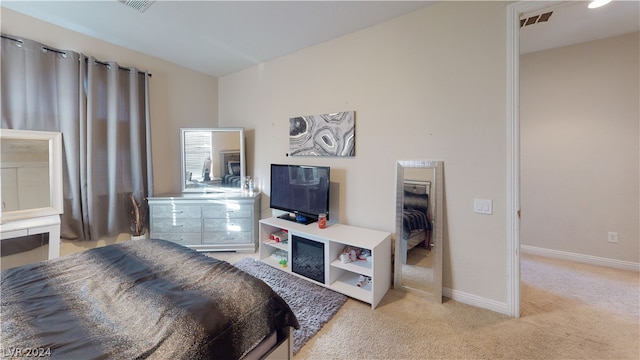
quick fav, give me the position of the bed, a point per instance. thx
(416, 223)
(142, 299)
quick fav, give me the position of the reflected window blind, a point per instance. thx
(197, 150)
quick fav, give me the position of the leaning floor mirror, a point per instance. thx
(418, 244)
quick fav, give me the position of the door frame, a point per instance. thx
(514, 11)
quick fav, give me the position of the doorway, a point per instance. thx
(514, 12)
(516, 131)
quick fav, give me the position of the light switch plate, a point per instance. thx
(483, 206)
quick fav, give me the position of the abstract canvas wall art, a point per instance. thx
(330, 134)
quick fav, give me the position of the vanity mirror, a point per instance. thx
(31, 165)
(418, 250)
(212, 159)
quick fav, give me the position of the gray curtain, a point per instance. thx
(102, 111)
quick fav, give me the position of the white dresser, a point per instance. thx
(207, 222)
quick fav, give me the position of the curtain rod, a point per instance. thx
(86, 59)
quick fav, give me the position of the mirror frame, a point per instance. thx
(437, 224)
(210, 188)
(55, 174)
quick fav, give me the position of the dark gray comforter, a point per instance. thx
(139, 299)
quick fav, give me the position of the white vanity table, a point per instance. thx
(34, 226)
(31, 204)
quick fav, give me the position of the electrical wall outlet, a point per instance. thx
(612, 237)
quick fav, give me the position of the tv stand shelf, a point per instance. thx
(338, 276)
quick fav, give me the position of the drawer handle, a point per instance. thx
(177, 212)
(181, 225)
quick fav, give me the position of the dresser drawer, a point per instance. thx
(230, 211)
(206, 222)
(227, 225)
(159, 225)
(180, 238)
(229, 237)
(175, 211)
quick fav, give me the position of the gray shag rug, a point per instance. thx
(312, 304)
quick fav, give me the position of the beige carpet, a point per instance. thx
(557, 322)
(568, 311)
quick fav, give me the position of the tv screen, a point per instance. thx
(302, 191)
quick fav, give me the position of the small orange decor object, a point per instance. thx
(322, 221)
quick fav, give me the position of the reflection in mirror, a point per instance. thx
(25, 174)
(212, 159)
(418, 252)
(30, 165)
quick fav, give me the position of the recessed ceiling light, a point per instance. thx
(598, 3)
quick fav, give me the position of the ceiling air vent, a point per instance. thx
(138, 5)
(535, 19)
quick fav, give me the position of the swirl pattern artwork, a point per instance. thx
(330, 134)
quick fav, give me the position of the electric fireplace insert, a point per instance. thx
(308, 258)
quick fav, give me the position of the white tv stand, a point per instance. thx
(338, 276)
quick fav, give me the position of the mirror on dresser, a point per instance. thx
(212, 212)
(419, 221)
(212, 159)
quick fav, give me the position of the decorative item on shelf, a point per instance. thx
(350, 253)
(246, 180)
(322, 221)
(280, 236)
(280, 255)
(283, 263)
(137, 218)
(363, 281)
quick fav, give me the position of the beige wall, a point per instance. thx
(179, 97)
(428, 85)
(580, 115)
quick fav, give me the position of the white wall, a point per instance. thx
(428, 85)
(580, 116)
(180, 97)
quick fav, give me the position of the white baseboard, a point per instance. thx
(503, 308)
(476, 301)
(587, 259)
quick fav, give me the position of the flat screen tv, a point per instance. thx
(302, 191)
